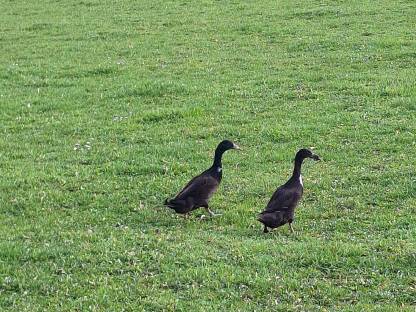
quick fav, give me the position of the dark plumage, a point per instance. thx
(200, 189)
(281, 207)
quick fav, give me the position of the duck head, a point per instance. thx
(300, 156)
(305, 153)
(227, 145)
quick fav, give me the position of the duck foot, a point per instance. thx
(265, 230)
(211, 213)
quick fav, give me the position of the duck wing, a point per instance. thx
(283, 199)
(200, 188)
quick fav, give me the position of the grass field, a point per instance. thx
(109, 107)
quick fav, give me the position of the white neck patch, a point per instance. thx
(219, 169)
(300, 180)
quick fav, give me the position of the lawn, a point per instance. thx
(109, 107)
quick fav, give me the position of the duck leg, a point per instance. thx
(291, 228)
(210, 212)
(185, 216)
(265, 230)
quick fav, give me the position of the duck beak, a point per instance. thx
(315, 157)
(236, 147)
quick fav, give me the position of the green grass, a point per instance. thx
(109, 107)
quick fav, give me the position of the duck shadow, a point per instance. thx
(254, 232)
(162, 217)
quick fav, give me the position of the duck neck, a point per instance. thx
(298, 166)
(217, 158)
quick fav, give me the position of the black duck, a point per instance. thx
(281, 207)
(200, 189)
